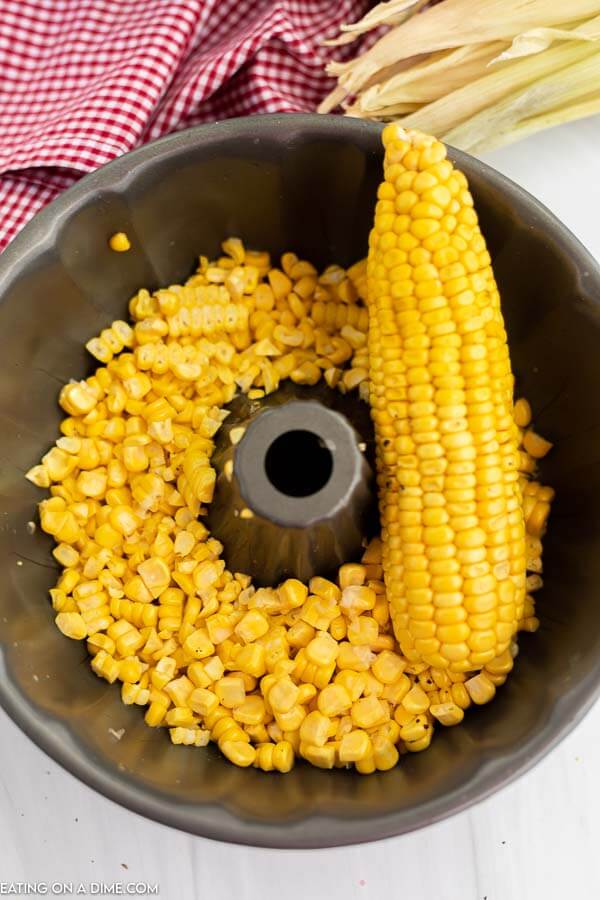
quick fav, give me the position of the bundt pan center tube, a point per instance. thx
(295, 494)
(307, 184)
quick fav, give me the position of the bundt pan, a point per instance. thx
(305, 183)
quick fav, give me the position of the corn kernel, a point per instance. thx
(179, 690)
(416, 700)
(334, 700)
(155, 713)
(290, 721)
(388, 667)
(130, 669)
(369, 712)
(198, 645)
(120, 242)
(315, 729)
(155, 574)
(203, 702)
(480, 688)
(252, 626)
(351, 574)
(354, 746)
(251, 660)
(385, 754)
(230, 690)
(72, 625)
(322, 650)
(447, 713)
(322, 756)
(293, 593)
(67, 556)
(251, 711)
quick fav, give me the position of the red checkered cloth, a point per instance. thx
(82, 81)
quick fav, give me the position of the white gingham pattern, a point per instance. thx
(82, 81)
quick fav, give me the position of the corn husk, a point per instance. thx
(554, 91)
(475, 80)
(338, 95)
(452, 24)
(392, 112)
(391, 12)
(582, 110)
(428, 81)
(539, 39)
(445, 114)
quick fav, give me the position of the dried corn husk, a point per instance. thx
(555, 91)
(539, 39)
(527, 127)
(427, 81)
(472, 79)
(390, 12)
(496, 84)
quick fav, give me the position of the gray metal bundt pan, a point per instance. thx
(305, 183)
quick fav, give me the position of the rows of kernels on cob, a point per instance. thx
(442, 396)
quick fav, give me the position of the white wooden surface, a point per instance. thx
(536, 840)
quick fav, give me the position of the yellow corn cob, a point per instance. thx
(441, 399)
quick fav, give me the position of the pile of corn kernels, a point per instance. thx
(270, 674)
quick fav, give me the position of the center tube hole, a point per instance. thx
(298, 463)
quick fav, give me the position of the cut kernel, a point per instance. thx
(416, 700)
(388, 667)
(198, 644)
(536, 445)
(323, 757)
(522, 413)
(369, 712)
(252, 626)
(334, 700)
(230, 691)
(447, 713)
(119, 242)
(39, 476)
(283, 695)
(315, 729)
(385, 754)
(354, 746)
(481, 689)
(72, 625)
(273, 674)
(155, 574)
(238, 752)
(322, 650)
(293, 593)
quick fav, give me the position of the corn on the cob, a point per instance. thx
(441, 398)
